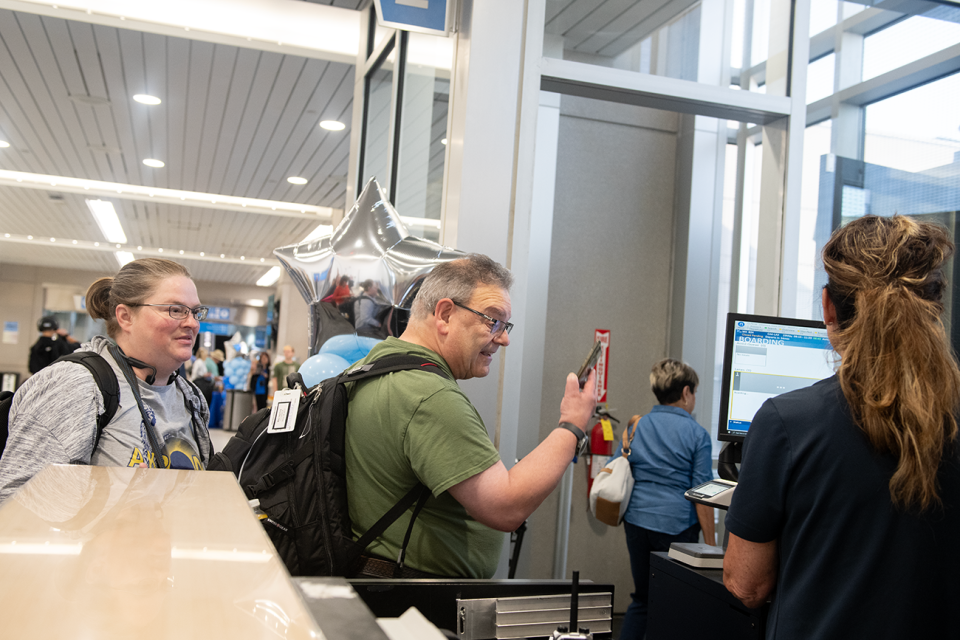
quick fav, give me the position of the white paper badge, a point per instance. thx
(283, 414)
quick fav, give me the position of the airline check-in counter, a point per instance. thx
(102, 552)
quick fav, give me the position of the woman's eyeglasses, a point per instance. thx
(180, 311)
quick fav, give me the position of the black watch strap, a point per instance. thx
(581, 436)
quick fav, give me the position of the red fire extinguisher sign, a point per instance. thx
(603, 335)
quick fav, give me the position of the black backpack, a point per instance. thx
(300, 477)
(102, 374)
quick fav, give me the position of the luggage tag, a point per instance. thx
(283, 414)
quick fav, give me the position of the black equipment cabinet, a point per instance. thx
(690, 603)
(437, 599)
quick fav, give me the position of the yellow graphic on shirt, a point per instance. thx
(180, 455)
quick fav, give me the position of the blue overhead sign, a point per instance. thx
(428, 16)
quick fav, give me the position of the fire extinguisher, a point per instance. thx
(601, 445)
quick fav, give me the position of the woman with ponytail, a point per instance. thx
(152, 316)
(848, 505)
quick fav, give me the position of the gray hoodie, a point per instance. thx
(53, 420)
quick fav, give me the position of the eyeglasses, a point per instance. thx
(496, 328)
(180, 311)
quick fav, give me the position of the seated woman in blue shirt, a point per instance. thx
(670, 454)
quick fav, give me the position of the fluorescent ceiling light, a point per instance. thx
(319, 232)
(332, 125)
(256, 303)
(150, 162)
(143, 98)
(4, 144)
(296, 180)
(123, 257)
(269, 278)
(158, 194)
(106, 217)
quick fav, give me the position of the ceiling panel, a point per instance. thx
(232, 122)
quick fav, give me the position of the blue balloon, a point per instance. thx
(349, 346)
(318, 368)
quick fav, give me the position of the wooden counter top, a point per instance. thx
(101, 552)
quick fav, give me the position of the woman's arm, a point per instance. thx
(750, 570)
(53, 420)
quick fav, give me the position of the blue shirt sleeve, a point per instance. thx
(702, 460)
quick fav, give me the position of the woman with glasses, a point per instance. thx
(152, 316)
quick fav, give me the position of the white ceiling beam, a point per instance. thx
(166, 196)
(289, 27)
(659, 92)
(85, 245)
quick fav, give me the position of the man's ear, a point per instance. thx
(442, 314)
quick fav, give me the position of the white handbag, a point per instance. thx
(612, 487)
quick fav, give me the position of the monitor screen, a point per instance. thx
(764, 357)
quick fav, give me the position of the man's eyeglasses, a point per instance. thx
(496, 326)
(180, 311)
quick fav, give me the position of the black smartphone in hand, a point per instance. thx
(589, 363)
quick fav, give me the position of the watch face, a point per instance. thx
(582, 445)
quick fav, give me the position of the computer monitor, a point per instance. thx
(764, 357)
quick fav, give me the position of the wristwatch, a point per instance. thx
(581, 438)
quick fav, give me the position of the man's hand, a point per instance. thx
(578, 404)
(502, 499)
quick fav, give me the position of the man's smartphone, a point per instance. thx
(589, 363)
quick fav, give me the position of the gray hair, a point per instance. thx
(457, 280)
(669, 377)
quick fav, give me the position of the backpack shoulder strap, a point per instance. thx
(106, 381)
(390, 364)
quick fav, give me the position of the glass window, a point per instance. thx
(637, 36)
(820, 78)
(816, 162)
(376, 126)
(905, 42)
(915, 131)
(823, 15)
(423, 132)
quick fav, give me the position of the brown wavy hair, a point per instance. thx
(897, 372)
(133, 284)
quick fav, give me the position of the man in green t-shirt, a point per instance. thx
(415, 426)
(284, 368)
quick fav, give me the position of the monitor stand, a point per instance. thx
(728, 459)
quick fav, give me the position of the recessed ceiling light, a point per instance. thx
(222, 255)
(160, 249)
(53, 239)
(332, 125)
(296, 180)
(143, 98)
(29, 237)
(201, 254)
(74, 242)
(4, 144)
(139, 247)
(156, 164)
(181, 251)
(118, 246)
(243, 257)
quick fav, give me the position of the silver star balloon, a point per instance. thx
(370, 246)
